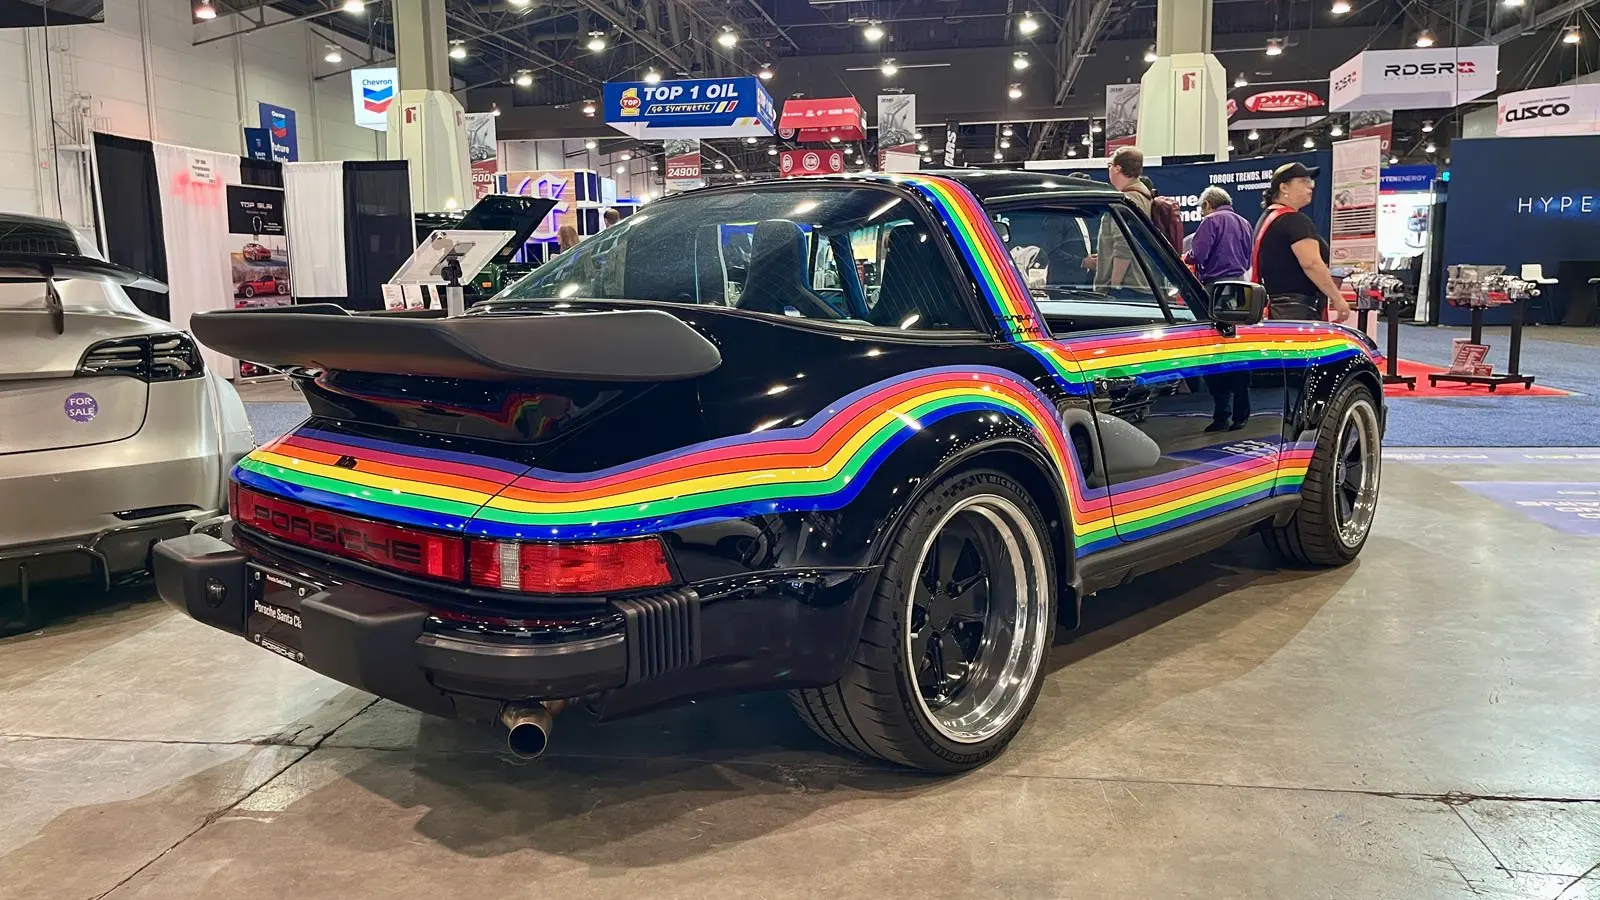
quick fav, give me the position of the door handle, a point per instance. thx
(1105, 387)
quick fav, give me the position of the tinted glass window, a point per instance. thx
(850, 254)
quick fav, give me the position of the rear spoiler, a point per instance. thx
(45, 268)
(626, 345)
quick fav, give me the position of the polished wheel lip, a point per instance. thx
(1009, 658)
(1357, 469)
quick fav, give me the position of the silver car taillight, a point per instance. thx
(153, 358)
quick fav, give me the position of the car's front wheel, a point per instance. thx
(1340, 494)
(952, 654)
(247, 291)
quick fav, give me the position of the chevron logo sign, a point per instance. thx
(372, 92)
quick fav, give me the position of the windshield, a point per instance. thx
(860, 254)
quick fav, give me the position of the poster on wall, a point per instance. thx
(897, 132)
(483, 152)
(258, 254)
(372, 92)
(256, 145)
(1353, 237)
(683, 164)
(1378, 124)
(283, 139)
(1122, 116)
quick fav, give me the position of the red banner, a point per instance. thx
(794, 163)
(814, 121)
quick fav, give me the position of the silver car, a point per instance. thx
(113, 432)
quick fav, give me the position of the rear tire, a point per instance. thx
(951, 656)
(1340, 493)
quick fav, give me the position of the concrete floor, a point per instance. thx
(1421, 724)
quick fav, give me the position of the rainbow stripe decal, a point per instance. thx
(820, 465)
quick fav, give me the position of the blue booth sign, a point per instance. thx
(1400, 179)
(283, 139)
(697, 108)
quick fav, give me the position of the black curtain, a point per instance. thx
(260, 173)
(131, 205)
(378, 234)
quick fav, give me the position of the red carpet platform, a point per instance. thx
(1421, 371)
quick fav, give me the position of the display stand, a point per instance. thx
(446, 259)
(1383, 293)
(1480, 287)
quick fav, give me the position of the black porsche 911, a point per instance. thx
(865, 439)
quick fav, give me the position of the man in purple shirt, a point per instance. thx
(1223, 243)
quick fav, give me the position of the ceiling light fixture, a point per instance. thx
(1240, 81)
(728, 37)
(1254, 135)
(458, 49)
(1393, 160)
(1424, 38)
(588, 107)
(1340, 7)
(1513, 4)
(1087, 141)
(1007, 131)
(834, 139)
(1427, 127)
(1574, 35)
(849, 151)
(354, 7)
(1310, 142)
(524, 78)
(590, 144)
(1005, 144)
(1019, 61)
(1230, 148)
(1150, 54)
(1337, 130)
(652, 76)
(998, 155)
(1072, 151)
(717, 164)
(1274, 47)
(1015, 91)
(1095, 127)
(620, 169)
(626, 155)
(750, 140)
(597, 41)
(205, 11)
(766, 73)
(873, 32)
(333, 56)
(772, 151)
(922, 147)
(1430, 147)
(1028, 24)
(917, 136)
(494, 109)
(888, 68)
(521, 4)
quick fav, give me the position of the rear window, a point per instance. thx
(863, 255)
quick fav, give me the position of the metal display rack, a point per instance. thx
(1386, 294)
(1479, 288)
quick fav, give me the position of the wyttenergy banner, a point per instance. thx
(1285, 104)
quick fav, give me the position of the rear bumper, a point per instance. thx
(392, 646)
(106, 553)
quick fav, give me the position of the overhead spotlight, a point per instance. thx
(1095, 127)
(998, 155)
(626, 155)
(597, 41)
(620, 169)
(1005, 144)
(922, 147)
(333, 56)
(1574, 35)
(1072, 151)
(1337, 130)
(1020, 61)
(205, 11)
(1087, 141)
(1424, 38)
(1014, 92)
(1340, 7)
(520, 4)
(849, 151)
(917, 136)
(1254, 135)
(1427, 127)
(873, 32)
(750, 140)
(458, 49)
(588, 107)
(1150, 54)
(717, 164)
(888, 68)
(1230, 148)
(1240, 81)
(524, 78)
(765, 74)
(1393, 160)
(1028, 24)
(728, 37)
(652, 76)
(1007, 131)
(494, 109)
(1274, 47)
(354, 7)
(590, 144)
(772, 151)
(1310, 142)
(1430, 147)
(1512, 4)
(834, 139)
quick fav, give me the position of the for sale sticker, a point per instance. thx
(81, 407)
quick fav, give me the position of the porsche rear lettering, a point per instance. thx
(317, 532)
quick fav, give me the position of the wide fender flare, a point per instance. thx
(1320, 385)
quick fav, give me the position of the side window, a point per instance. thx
(1079, 265)
(1170, 287)
(902, 278)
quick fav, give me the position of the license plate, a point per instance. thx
(275, 619)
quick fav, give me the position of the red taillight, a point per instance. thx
(386, 546)
(569, 568)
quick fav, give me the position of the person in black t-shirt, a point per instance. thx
(1291, 259)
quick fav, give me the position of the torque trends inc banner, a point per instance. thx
(283, 138)
(1245, 180)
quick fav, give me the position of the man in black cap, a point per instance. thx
(1290, 258)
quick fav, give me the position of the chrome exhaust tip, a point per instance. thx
(528, 727)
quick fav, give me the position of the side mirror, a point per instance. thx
(1238, 303)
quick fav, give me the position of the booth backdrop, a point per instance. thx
(1516, 201)
(1245, 180)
